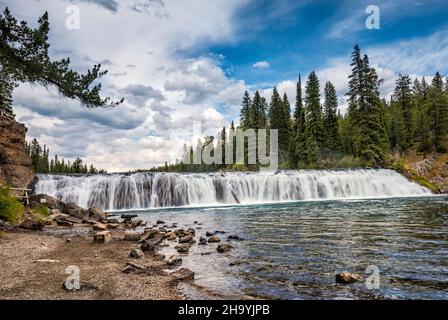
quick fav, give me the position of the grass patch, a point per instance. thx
(10, 208)
(42, 210)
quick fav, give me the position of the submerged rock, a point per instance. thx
(183, 247)
(186, 239)
(174, 260)
(214, 239)
(202, 241)
(183, 274)
(223, 247)
(347, 277)
(234, 237)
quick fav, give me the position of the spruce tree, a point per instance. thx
(403, 115)
(314, 122)
(366, 112)
(330, 117)
(277, 120)
(245, 115)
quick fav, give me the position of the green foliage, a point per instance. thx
(41, 163)
(42, 210)
(318, 136)
(10, 208)
(24, 58)
(314, 127)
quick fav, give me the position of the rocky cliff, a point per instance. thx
(430, 170)
(15, 164)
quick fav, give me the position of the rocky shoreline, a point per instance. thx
(118, 256)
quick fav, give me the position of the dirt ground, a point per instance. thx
(101, 265)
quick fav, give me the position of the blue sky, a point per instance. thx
(178, 63)
(299, 36)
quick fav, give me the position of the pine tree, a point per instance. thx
(245, 116)
(6, 89)
(314, 122)
(330, 117)
(437, 112)
(366, 112)
(403, 116)
(277, 120)
(24, 58)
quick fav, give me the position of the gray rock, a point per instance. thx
(174, 260)
(214, 239)
(347, 277)
(223, 247)
(183, 274)
(97, 214)
(147, 247)
(183, 247)
(31, 224)
(136, 254)
(186, 239)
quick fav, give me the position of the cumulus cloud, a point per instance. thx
(152, 124)
(261, 65)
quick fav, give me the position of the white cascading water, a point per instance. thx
(152, 190)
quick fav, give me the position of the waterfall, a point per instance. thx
(152, 190)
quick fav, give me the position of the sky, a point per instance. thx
(180, 64)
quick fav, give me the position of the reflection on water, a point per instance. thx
(292, 251)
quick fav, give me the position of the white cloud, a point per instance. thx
(261, 65)
(164, 94)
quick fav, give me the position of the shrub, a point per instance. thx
(10, 208)
(42, 210)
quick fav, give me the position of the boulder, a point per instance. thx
(202, 241)
(31, 224)
(37, 200)
(214, 239)
(97, 214)
(223, 247)
(183, 274)
(174, 260)
(102, 237)
(136, 223)
(186, 239)
(128, 216)
(234, 237)
(73, 210)
(347, 277)
(113, 220)
(147, 247)
(209, 234)
(132, 236)
(170, 236)
(112, 225)
(99, 226)
(183, 247)
(64, 223)
(151, 234)
(136, 254)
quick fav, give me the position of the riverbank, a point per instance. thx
(34, 263)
